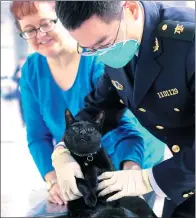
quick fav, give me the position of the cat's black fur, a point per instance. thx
(83, 139)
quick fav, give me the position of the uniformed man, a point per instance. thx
(148, 49)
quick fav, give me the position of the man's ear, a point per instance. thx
(69, 118)
(131, 8)
(100, 118)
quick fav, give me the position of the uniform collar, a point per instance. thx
(141, 14)
(147, 68)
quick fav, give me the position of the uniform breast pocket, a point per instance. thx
(175, 109)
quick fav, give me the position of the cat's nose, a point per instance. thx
(83, 141)
(83, 131)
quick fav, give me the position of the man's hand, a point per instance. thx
(125, 182)
(66, 170)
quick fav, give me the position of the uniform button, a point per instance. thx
(191, 193)
(176, 109)
(175, 148)
(121, 101)
(142, 109)
(185, 195)
(159, 127)
(164, 27)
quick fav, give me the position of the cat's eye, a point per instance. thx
(76, 129)
(91, 129)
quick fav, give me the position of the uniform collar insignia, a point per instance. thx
(156, 45)
(117, 85)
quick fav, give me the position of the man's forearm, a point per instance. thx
(130, 165)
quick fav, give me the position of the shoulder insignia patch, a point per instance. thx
(177, 30)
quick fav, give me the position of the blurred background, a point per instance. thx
(21, 185)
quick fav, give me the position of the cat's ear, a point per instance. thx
(100, 118)
(69, 118)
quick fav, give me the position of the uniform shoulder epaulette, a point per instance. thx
(177, 30)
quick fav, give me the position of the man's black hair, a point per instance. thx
(73, 13)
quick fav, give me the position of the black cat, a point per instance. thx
(83, 139)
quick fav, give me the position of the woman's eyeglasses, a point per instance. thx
(48, 26)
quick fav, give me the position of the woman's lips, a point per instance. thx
(47, 42)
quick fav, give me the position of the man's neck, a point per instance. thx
(141, 21)
(140, 24)
(135, 30)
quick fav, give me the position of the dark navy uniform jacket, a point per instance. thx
(160, 92)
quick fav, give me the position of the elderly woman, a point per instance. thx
(54, 78)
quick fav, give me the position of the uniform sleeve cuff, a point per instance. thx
(154, 185)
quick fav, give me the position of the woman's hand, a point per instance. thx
(55, 195)
(54, 191)
(67, 169)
